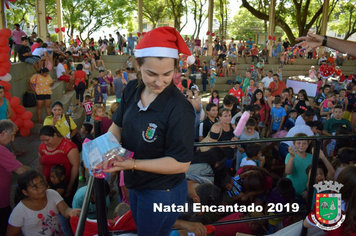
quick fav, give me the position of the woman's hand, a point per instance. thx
(311, 41)
(234, 139)
(118, 164)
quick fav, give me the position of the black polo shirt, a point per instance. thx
(165, 129)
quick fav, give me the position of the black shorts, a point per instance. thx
(43, 97)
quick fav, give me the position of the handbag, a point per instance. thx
(207, 140)
(29, 99)
(77, 139)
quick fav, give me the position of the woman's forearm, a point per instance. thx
(163, 166)
(73, 175)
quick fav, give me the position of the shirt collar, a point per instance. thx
(160, 101)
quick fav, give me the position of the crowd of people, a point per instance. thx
(150, 104)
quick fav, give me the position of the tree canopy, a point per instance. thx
(344, 22)
(295, 17)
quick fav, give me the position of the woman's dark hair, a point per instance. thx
(44, 45)
(212, 97)
(304, 94)
(347, 177)
(24, 181)
(68, 64)
(141, 60)
(290, 88)
(59, 171)
(57, 103)
(44, 70)
(79, 67)
(49, 130)
(254, 99)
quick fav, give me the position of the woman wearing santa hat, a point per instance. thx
(155, 121)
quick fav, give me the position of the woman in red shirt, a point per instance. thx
(80, 81)
(56, 150)
(258, 99)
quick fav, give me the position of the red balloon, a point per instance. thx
(5, 64)
(20, 109)
(6, 85)
(13, 117)
(5, 33)
(7, 95)
(24, 132)
(14, 102)
(27, 115)
(19, 122)
(27, 124)
(4, 57)
(4, 41)
(5, 49)
(3, 71)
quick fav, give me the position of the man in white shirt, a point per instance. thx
(308, 115)
(62, 74)
(268, 79)
(311, 128)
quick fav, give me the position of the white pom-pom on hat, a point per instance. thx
(191, 60)
(162, 42)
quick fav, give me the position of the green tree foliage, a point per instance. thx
(87, 16)
(176, 10)
(155, 11)
(345, 19)
(244, 25)
(21, 14)
(200, 13)
(221, 14)
(295, 17)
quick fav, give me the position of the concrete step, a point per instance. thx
(57, 89)
(349, 63)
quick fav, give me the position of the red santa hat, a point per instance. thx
(163, 42)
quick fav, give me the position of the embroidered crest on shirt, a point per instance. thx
(149, 135)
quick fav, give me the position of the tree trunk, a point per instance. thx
(302, 29)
